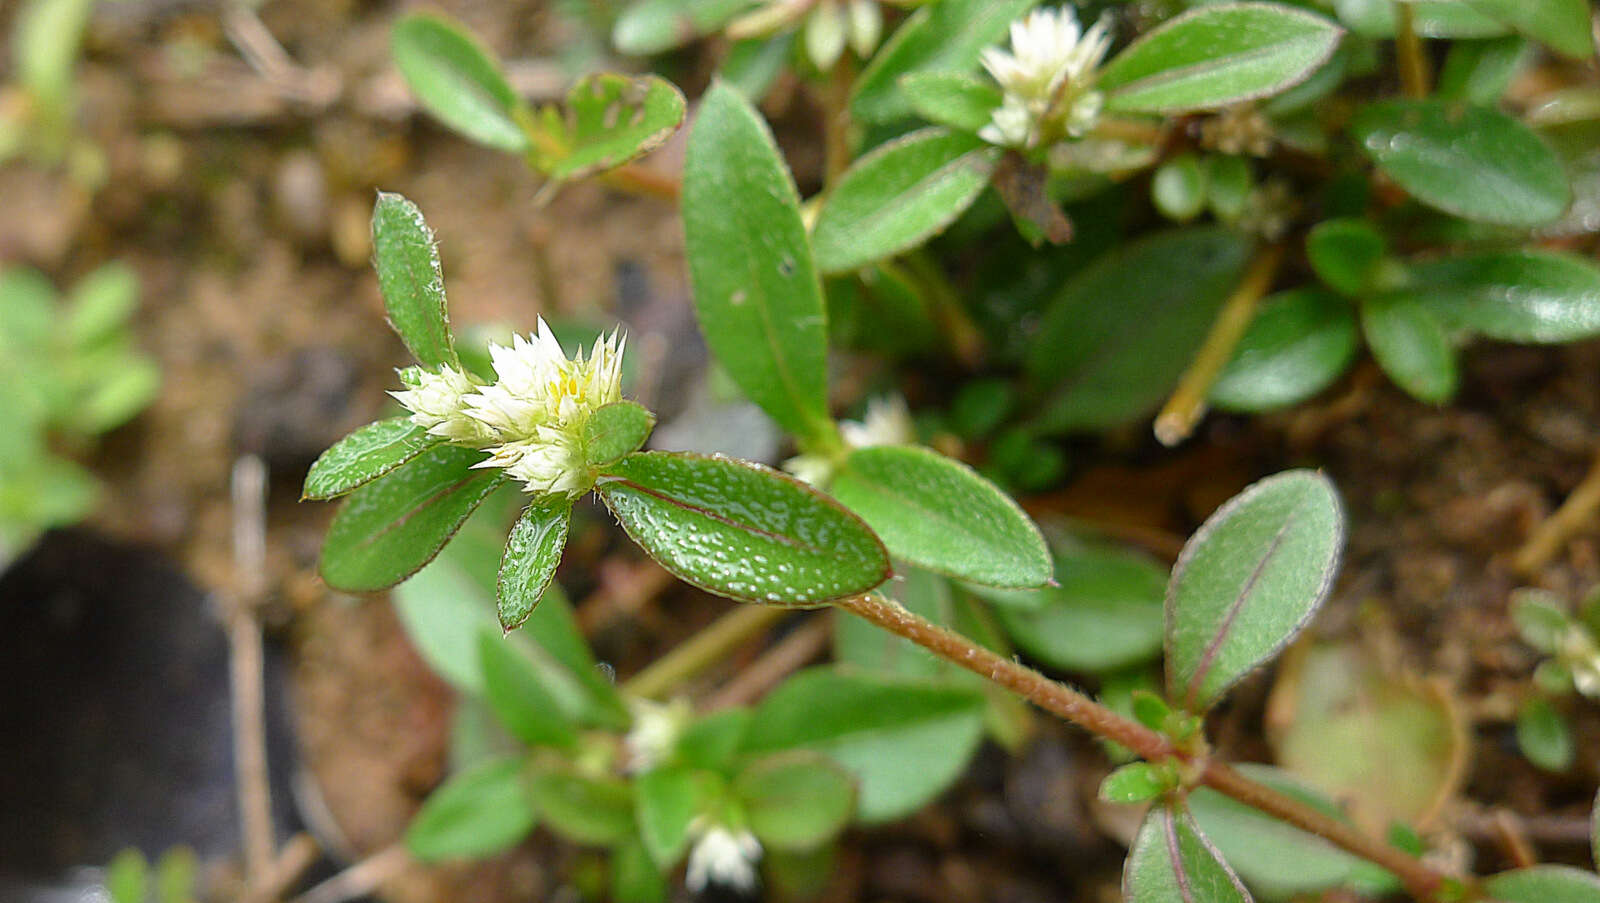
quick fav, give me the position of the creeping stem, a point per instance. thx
(1421, 880)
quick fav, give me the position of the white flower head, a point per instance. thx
(656, 730)
(437, 403)
(1048, 79)
(887, 422)
(535, 411)
(724, 858)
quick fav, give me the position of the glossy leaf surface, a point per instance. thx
(962, 102)
(1218, 55)
(1514, 296)
(742, 530)
(1410, 343)
(1248, 581)
(755, 287)
(364, 455)
(938, 513)
(1300, 342)
(898, 196)
(1475, 163)
(457, 80)
(532, 552)
(905, 741)
(1171, 861)
(411, 280)
(389, 528)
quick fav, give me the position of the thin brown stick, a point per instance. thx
(1414, 78)
(836, 119)
(298, 855)
(1052, 696)
(789, 655)
(702, 650)
(360, 879)
(1550, 536)
(245, 668)
(632, 178)
(1420, 879)
(1187, 405)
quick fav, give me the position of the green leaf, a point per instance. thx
(1218, 55)
(634, 877)
(1564, 25)
(365, 455)
(1479, 72)
(898, 196)
(666, 804)
(1544, 884)
(128, 877)
(46, 39)
(1105, 612)
(1248, 581)
(1229, 183)
(938, 513)
(940, 37)
(1119, 334)
(755, 287)
(583, 808)
(532, 552)
(388, 529)
(458, 80)
(177, 873)
(412, 283)
(1297, 345)
(1433, 19)
(1514, 296)
(1543, 735)
(1346, 254)
(518, 695)
(614, 430)
(1475, 163)
(712, 741)
(742, 530)
(131, 382)
(905, 741)
(1411, 345)
(608, 119)
(795, 800)
(1136, 782)
(1275, 859)
(1171, 861)
(962, 102)
(476, 813)
(100, 304)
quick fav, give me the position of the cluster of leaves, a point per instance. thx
(72, 372)
(1572, 664)
(129, 877)
(890, 725)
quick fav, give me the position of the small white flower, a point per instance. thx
(437, 403)
(724, 858)
(654, 736)
(537, 407)
(1047, 77)
(887, 422)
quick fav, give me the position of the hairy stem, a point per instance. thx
(1188, 402)
(1420, 879)
(702, 650)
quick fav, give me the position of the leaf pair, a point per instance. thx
(607, 120)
